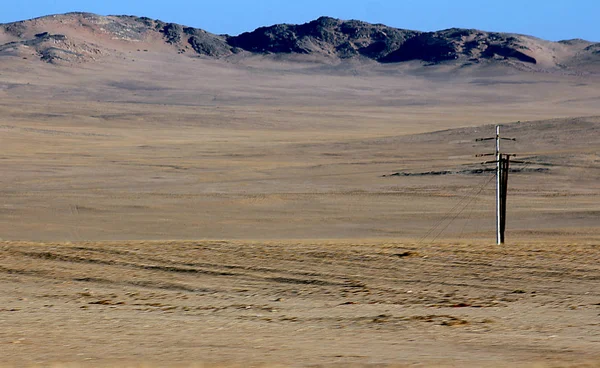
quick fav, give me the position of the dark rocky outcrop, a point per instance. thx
(53, 48)
(16, 29)
(275, 39)
(39, 39)
(327, 36)
(346, 39)
(209, 45)
(202, 42)
(595, 48)
(508, 52)
(427, 47)
(54, 54)
(172, 32)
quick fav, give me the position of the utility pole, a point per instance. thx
(499, 233)
(502, 166)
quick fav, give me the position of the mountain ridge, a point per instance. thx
(79, 36)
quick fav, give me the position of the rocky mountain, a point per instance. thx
(79, 37)
(346, 39)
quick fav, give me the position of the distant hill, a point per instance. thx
(84, 37)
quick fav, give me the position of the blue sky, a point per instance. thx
(550, 19)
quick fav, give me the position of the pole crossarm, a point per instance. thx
(511, 161)
(492, 138)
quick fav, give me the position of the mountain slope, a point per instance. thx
(346, 39)
(80, 37)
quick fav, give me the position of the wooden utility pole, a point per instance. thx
(502, 167)
(499, 217)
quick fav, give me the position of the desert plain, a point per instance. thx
(265, 210)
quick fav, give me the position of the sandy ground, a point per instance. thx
(273, 150)
(300, 303)
(100, 160)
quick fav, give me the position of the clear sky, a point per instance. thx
(549, 19)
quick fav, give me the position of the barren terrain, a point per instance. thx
(334, 303)
(292, 209)
(237, 151)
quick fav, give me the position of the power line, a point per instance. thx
(451, 211)
(463, 209)
(469, 216)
